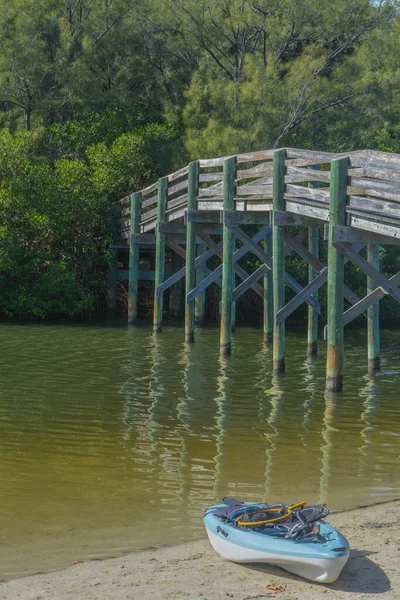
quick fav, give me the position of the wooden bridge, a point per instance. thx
(200, 212)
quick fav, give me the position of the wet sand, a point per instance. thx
(192, 571)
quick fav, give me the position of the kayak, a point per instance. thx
(295, 537)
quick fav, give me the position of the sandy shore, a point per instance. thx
(192, 571)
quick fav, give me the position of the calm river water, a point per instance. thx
(112, 439)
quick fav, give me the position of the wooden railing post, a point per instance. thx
(278, 261)
(373, 314)
(134, 249)
(228, 273)
(160, 253)
(193, 188)
(337, 216)
(268, 295)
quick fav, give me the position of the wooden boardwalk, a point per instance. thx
(200, 211)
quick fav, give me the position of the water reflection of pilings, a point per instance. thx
(136, 369)
(371, 406)
(327, 448)
(184, 430)
(222, 399)
(311, 388)
(275, 394)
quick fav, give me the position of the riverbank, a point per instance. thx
(192, 571)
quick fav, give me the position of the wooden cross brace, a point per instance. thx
(217, 249)
(267, 260)
(316, 283)
(385, 286)
(200, 264)
(249, 280)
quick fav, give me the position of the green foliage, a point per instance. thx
(115, 94)
(56, 218)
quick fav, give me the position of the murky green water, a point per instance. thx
(113, 439)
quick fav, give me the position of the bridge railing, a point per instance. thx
(373, 189)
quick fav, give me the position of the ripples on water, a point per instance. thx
(113, 439)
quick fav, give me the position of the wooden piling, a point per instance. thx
(278, 261)
(337, 216)
(312, 330)
(193, 187)
(228, 273)
(134, 249)
(162, 196)
(268, 296)
(200, 301)
(373, 314)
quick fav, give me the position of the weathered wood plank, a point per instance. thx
(178, 174)
(149, 189)
(145, 239)
(350, 235)
(212, 162)
(321, 157)
(369, 270)
(286, 219)
(206, 177)
(254, 156)
(149, 202)
(373, 187)
(392, 176)
(389, 231)
(374, 205)
(203, 216)
(178, 187)
(376, 216)
(318, 194)
(308, 209)
(247, 283)
(179, 201)
(248, 189)
(233, 217)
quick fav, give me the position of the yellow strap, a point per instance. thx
(275, 519)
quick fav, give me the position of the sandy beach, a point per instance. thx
(192, 571)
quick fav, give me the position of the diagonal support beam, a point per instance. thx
(266, 258)
(200, 262)
(238, 270)
(369, 300)
(214, 275)
(295, 302)
(369, 270)
(253, 278)
(319, 266)
(299, 298)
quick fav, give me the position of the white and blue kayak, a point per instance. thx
(294, 537)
